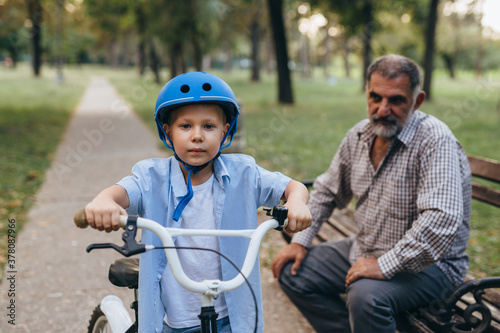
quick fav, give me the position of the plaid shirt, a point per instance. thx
(413, 211)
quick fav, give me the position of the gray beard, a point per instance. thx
(385, 131)
(391, 130)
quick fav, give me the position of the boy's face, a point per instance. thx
(196, 132)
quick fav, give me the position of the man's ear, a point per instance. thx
(419, 100)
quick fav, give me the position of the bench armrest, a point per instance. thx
(442, 314)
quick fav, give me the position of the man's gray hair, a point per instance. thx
(392, 66)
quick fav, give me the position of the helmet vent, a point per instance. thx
(207, 87)
(185, 88)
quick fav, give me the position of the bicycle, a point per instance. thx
(111, 313)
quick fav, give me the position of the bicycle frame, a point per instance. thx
(208, 289)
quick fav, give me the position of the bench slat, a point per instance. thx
(486, 194)
(484, 168)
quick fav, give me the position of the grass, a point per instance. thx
(33, 116)
(298, 140)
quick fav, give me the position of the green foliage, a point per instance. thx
(107, 14)
(13, 36)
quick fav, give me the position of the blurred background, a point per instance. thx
(297, 67)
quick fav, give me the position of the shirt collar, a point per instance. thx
(177, 177)
(220, 170)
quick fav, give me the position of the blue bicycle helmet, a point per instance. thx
(195, 88)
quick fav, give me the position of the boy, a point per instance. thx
(196, 115)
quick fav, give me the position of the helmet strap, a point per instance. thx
(222, 146)
(193, 169)
(189, 195)
(185, 199)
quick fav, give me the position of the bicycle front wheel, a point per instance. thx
(98, 322)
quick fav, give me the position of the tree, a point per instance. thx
(35, 16)
(456, 34)
(430, 36)
(113, 20)
(249, 18)
(285, 94)
(190, 31)
(12, 33)
(480, 49)
(367, 35)
(357, 19)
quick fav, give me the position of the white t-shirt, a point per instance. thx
(182, 306)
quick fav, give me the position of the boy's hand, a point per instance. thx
(299, 216)
(103, 213)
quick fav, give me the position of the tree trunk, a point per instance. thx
(285, 94)
(270, 55)
(345, 56)
(154, 62)
(328, 54)
(35, 15)
(141, 57)
(449, 61)
(305, 61)
(430, 36)
(479, 54)
(367, 37)
(141, 31)
(175, 59)
(255, 40)
(197, 55)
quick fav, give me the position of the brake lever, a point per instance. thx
(279, 213)
(130, 247)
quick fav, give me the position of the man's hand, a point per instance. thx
(291, 252)
(364, 268)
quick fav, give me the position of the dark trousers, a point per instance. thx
(370, 306)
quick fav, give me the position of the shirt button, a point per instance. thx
(159, 277)
(156, 330)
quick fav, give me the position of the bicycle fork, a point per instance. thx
(208, 316)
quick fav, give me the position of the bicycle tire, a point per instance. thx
(98, 322)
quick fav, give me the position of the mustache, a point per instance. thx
(389, 119)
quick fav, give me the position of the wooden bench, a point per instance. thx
(474, 306)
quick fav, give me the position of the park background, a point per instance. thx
(296, 67)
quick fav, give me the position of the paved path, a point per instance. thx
(57, 282)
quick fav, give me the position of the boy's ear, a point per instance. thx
(224, 131)
(166, 128)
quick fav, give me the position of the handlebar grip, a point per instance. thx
(80, 219)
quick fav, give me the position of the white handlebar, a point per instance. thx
(206, 287)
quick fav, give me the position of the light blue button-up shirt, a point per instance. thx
(240, 187)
